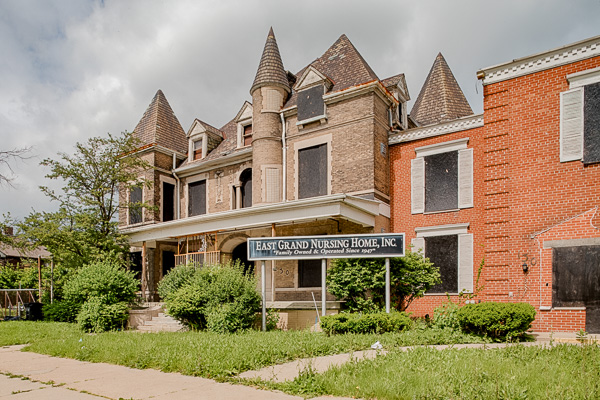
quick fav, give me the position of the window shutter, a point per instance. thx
(571, 125)
(465, 262)
(418, 244)
(465, 178)
(417, 185)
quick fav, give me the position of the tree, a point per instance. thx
(361, 281)
(84, 228)
(8, 156)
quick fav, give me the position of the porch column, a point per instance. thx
(387, 285)
(238, 196)
(144, 271)
(323, 286)
(263, 284)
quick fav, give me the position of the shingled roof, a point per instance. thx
(270, 69)
(159, 125)
(440, 99)
(343, 65)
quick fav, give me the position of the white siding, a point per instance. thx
(417, 184)
(571, 125)
(465, 178)
(418, 244)
(465, 262)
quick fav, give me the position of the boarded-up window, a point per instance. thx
(576, 276)
(135, 209)
(246, 187)
(247, 135)
(310, 103)
(197, 198)
(441, 181)
(309, 273)
(443, 252)
(312, 171)
(168, 201)
(591, 124)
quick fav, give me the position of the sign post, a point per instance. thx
(384, 245)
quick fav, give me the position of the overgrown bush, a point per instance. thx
(496, 320)
(446, 316)
(220, 298)
(360, 282)
(61, 311)
(175, 279)
(98, 316)
(365, 323)
(15, 277)
(106, 279)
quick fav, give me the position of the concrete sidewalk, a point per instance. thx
(66, 379)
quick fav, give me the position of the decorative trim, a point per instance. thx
(236, 157)
(442, 230)
(582, 78)
(542, 61)
(552, 244)
(457, 125)
(444, 147)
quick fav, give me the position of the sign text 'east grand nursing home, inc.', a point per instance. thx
(332, 246)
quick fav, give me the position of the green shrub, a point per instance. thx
(446, 316)
(496, 320)
(219, 298)
(365, 323)
(61, 311)
(176, 278)
(360, 282)
(98, 316)
(104, 279)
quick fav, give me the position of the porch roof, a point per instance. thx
(351, 208)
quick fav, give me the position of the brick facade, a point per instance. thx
(520, 190)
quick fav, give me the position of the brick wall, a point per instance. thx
(520, 189)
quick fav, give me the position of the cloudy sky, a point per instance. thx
(70, 70)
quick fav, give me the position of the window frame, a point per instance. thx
(170, 181)
(572, 124)
(302, 144)
(465, 174)
(129, 210)
(201, 177)
(465, 254)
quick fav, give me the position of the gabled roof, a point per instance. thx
(159, 125)
(440, 99)
(397, 81)
(270, 69)
(199, 126)
(343, 65)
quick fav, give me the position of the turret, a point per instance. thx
(269, 92)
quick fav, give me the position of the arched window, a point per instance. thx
(246, 188)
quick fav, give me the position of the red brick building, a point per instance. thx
(516, 189)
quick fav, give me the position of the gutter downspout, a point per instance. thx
(284, 148)
(178, 196)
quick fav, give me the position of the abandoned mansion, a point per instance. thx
(504, 203)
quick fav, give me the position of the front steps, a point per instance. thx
(161, 323)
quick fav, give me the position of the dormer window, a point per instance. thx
(311, 88)
(247, 135)
(198, 149)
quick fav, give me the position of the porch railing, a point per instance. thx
(205, 257)
(12, 301)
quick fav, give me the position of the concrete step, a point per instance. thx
(160, 328)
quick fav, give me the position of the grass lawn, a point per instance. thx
(517, 372)
(205, 354)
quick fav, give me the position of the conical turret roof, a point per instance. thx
(270, 69)
(440, 99)
(159, 125)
